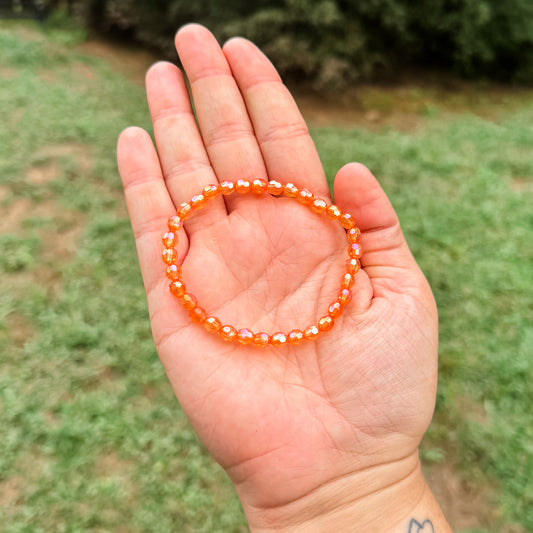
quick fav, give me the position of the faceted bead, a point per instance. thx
(290, 190)
(198, 314)
(347, 281)
(184, 210)
(275, 187)
(175, 223)
(169, 256)
(228, 333)
(245, 336)
(227, 187)
(170, 239)
(355, 250)
(335, 310)
(177, 288)
(319, 205)
(211, 191)
(261, 340)
(311, 332)
(353, 265)
(198, 201)
(242, 186)
(353, 235)
(305, 196)
(173, 272)
(188, 301)
(259, 186)
(344, 296)
(295, 337)
(278, 339)
(212, 324)
(347, 221)
(333, 212)
(325, 323)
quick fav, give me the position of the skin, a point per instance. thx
(312, 435)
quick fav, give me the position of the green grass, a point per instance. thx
(91, 436)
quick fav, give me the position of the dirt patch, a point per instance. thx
(465, 506)
(10, 491)
(133, 62)
(48, 161)
(522, 185)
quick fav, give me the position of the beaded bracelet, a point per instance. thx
(245, 336)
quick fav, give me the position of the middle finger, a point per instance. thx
(226, 129)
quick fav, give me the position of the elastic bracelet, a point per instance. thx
(259, 187)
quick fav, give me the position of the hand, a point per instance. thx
(328, 430)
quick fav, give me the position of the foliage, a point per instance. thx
(334, 42)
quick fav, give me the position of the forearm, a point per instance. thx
(362, 502)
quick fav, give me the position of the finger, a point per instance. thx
(288, 150)
(184, 161)
(386, 256)
(224, 123)
(148, 201)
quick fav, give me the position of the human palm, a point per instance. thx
(284, 422)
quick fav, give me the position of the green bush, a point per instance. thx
(334, 42)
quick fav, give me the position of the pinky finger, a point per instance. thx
(148, 200)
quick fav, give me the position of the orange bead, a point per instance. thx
(353, 265)
(170, 239)
(274, 187)
(242, 186)
(198, 314)
(344, 296)
(175, 223)
(173, 272)
(290, 190)
(259, 186)
(261, 340)
(177, 288)
(278, 339)
(198, 201)
(347, 281)
(347, 221)
(227, 187)
(319, 205)
(353, 235)
(335, 310)
(228, 333)
(325, 323)
(333, 212)
(184, 210)
(355, 250)
(212, 324)
(305, 196)
(188, 301)
(245, 336)
(211, 191)
(169, 256)
(295, 337)
(311, 333)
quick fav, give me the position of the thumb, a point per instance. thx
(386, 256)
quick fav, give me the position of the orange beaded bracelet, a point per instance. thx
(245, 336)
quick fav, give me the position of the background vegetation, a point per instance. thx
(91, 437)
(332, 43)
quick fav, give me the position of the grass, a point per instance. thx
(92, 437)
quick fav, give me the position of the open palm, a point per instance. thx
(286, 423)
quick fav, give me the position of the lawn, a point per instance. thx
(92, 438)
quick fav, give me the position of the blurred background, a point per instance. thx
(435, 97)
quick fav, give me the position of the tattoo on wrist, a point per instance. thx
(420, 527)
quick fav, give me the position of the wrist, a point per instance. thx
(381, 498)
